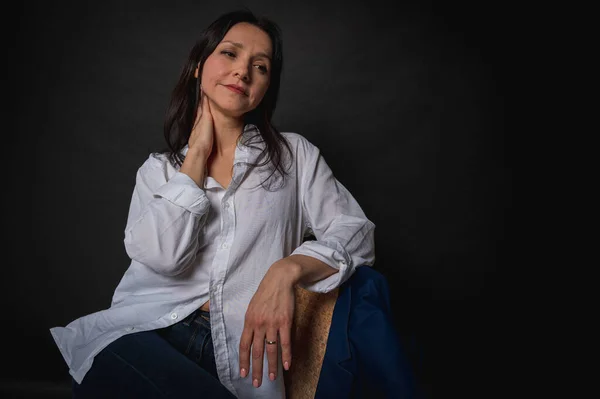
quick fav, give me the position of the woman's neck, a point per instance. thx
(227, 132)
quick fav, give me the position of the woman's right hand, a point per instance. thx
(201, 137)
(200, 143)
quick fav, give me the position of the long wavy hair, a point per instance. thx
(182, 109)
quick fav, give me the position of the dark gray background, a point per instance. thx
(406, 102)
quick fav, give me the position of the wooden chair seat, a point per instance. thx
(310, 331)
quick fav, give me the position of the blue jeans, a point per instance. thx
(173, 362)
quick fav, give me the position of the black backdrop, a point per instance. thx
(405, 101)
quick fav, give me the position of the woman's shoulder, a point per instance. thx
(156, 160)
(157, 164)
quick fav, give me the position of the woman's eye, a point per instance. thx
(262, 68)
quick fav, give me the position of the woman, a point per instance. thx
(216, 235)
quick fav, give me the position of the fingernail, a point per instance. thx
(286, 365)
(272, 376)
(255, 383)
(243, 373)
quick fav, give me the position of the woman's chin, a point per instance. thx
(233, 112)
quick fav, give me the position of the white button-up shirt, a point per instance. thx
(189, 245)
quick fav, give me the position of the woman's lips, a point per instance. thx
(235, 90)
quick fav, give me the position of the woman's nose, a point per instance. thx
(242, 72)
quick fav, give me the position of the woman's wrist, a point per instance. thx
(287, 271)
(194, 165)
(196, 154)
(302, 269)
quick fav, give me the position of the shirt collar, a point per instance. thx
(247, 150)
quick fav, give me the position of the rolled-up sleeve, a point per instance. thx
(165, 218)
(344, 235)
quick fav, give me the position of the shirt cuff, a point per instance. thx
(332, 254)
(182, 191)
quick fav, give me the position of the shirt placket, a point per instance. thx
(217, 280)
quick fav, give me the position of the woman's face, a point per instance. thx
(242, 59)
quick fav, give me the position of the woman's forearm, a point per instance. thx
(302, 269)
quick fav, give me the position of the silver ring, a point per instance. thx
(270, 342)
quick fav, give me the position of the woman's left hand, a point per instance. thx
(269, 318)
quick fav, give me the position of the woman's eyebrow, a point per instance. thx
(240, 45)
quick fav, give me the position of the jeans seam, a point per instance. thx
(207, 337)
(191, 340)
(138, 372)
(201, 323)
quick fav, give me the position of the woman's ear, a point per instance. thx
(197, 70)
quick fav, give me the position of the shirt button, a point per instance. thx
(226, 205)
(131, 328)
(173, 315)
(225, 246)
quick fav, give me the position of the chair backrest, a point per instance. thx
(310, 330)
